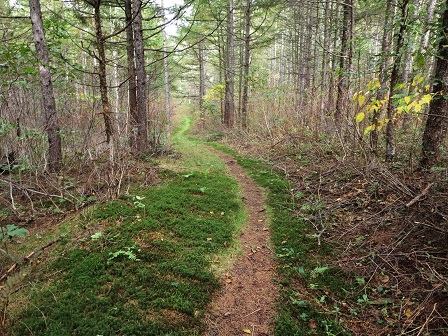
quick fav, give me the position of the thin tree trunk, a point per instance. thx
(246, 66)
(46, 86)
(384, 64)
(437, 123)
(331, 92)
(201, 79)
(142, 126)
(394, 77)
(229, 100)
(132, 85)
(424, 42)
(107, 115)
(324, 65)
(408, 59)
(113, 11)
(167, 85)
(222, 70)
(345, 61)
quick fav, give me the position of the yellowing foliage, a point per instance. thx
(412, 102)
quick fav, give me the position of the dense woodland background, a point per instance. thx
(363, 70)
(90, 91)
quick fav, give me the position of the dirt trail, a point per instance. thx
(246, 302)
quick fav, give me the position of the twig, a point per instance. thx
(427, 320)
(252, 312)
(32, 190)
(12, 197)
(26, 259)
(419, 196)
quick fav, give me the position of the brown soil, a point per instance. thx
(246, 301)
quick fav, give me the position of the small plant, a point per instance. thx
(364, 298)
(318, 270)
(129, 253)
(10, 231)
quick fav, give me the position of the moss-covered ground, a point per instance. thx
(139, 265)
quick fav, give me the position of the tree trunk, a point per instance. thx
(132, 85)
(325, 62)
(345, 61)
(246, 66)
(107, 115)
(424, 41)
(167, 86)
(46, 85)
(142, 126)
(437, 123)
(201, 79)
(229, 99)
(394, 77)
(384, 64)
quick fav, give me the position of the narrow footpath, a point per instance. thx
(246, 303)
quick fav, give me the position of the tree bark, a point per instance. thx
(424, 41)
(132, 84)
(229, 99)
(384, 64)
(345, 61)
(246, 66)
(102, 61)
(167, 85)
(201, 60)
(436, 126)
(46, 85)
(142, 126)
(394, 77)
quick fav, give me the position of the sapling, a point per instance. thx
(10, 231)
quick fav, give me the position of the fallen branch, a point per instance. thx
(419, 196)
(27, 258)
(18, 186)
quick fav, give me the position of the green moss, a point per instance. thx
(172, 232)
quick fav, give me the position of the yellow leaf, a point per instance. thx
(361, 99)
(360, 117)
(417, 108)
(374, 84)
(407, 99)
(247, 331)
(369, 129)
(408, 313)
(426, 99)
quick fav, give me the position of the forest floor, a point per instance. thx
(386, 224)
(277, 236)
